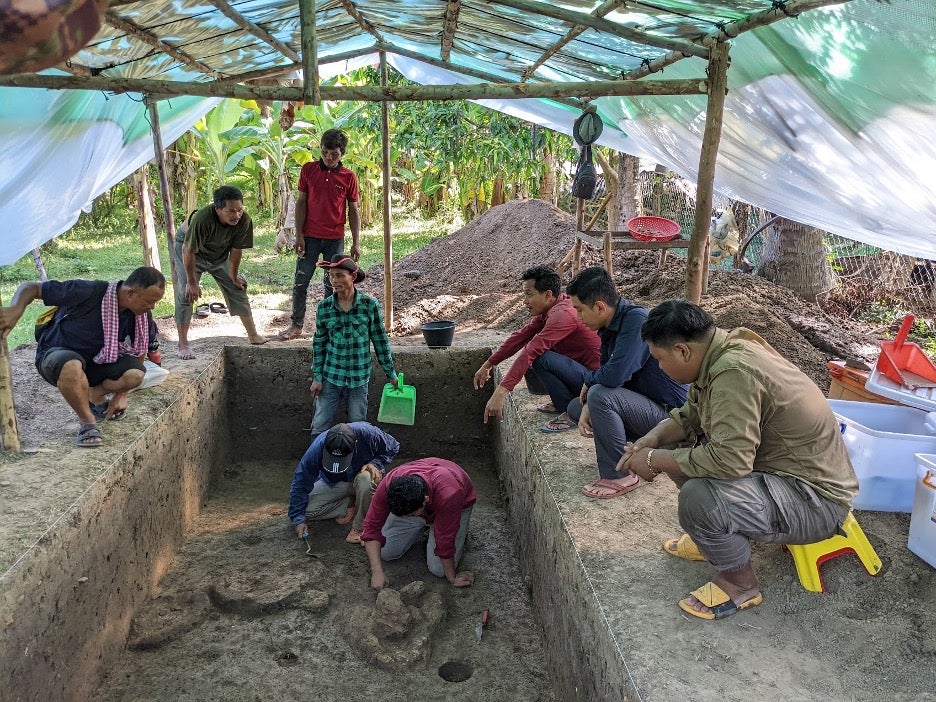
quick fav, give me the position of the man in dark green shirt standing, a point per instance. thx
(346, 324)
(213, 242)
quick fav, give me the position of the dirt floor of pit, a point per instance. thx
(244, 614)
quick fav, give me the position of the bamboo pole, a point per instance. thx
(9, 431)
(310, 91)
(388, 235)
(579, 220)
(363, 93)
(696, 268)
(466, 71)
(577, 18)
(164, 189)
(779, 11)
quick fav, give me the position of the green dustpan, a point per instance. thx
(397, 406)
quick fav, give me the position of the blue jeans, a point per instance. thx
(562, 376)
(305, 269)
(326, 405)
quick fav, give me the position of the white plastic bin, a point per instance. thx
(922, 539)
(881, 441)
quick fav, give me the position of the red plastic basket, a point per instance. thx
(653, 228)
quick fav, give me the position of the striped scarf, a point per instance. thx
(113, 346)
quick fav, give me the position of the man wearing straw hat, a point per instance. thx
(346, 324)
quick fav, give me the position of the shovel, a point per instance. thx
(398, 404)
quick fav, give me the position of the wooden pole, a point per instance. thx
(579, 221)
(387, 234)
(9, 432)
(363, 93)
(164, 189)
(311, 91)
(705, 182)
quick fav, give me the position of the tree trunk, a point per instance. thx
(146, 223)
(795, 256)
(629, 193)
(549, 190)
(184, 174)
(497, 194)
(264, 190)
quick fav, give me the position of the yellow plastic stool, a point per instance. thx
(808, 557)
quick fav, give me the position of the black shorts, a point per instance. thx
(50, 366)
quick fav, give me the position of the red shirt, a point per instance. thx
(327, 194)
(450, 491)
(559, 330)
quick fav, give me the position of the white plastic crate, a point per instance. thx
(922, 539)
(881, 441)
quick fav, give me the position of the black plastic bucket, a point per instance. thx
(438, 335)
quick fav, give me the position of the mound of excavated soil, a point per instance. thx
(473, 277)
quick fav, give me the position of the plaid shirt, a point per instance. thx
(341, 347)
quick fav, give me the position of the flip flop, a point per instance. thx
(548, 408)
(718, 601)
(353, 537)
(89, 436)
(289, 334)
(558, 424)
(218, 307)
(202, 311)
(100, 411)
(618, 489)
(683, 547)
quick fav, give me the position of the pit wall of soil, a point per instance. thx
(271, 410)
(579, 643)
(68, 600)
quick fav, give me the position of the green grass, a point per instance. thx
(109, 249)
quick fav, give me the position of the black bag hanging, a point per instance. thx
(585, 130)
(586, 177)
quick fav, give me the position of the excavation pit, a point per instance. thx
(200, 468)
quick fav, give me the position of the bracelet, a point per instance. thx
(653, 473)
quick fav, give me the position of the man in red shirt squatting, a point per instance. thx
(554, 346)
(429, 491)
(328, 195)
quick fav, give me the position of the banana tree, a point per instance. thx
(214, 147)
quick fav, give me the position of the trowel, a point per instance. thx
(479, 630)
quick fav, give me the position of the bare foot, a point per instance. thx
(348, 516)
(185, 352)
(256, 339)
(353, 537)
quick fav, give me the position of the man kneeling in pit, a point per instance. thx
(427, 491)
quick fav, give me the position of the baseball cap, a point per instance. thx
(338, 449)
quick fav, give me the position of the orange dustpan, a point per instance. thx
(906, 363)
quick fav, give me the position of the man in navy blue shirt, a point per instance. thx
(93, 348)
(338, 474)
(628, 395)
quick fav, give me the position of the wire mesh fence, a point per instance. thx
(867, 282)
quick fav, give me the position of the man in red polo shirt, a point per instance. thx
(328, 195)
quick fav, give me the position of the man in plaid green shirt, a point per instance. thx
(346, 324)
